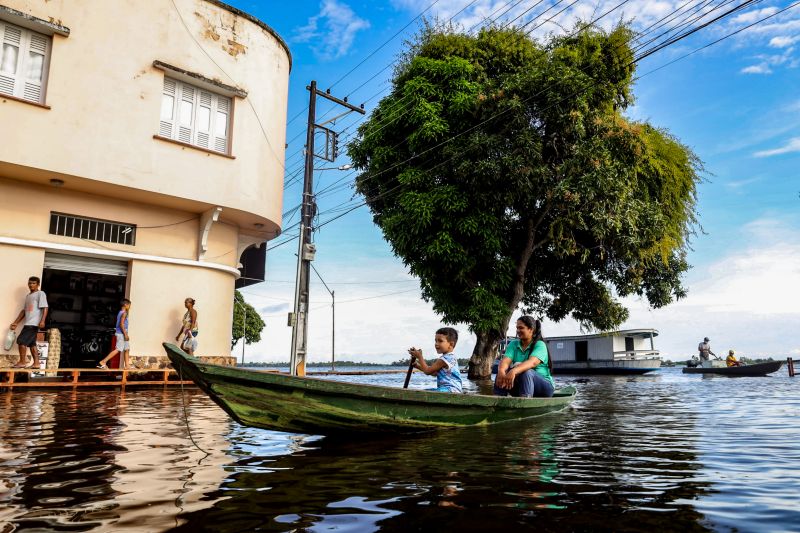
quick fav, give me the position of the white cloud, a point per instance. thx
(332, 31)
(792, 146)
(751, 16)
(757, 69)
(783, 41)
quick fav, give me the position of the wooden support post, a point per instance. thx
(790, 366)
(11, 377)
(75, 374)
(166, 376)
(124, 377)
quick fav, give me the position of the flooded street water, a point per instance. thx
(657, 452)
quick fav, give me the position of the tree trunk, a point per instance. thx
(480, 364)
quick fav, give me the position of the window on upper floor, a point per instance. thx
(195, 116)
(24, 59)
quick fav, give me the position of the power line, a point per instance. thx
(635, 60)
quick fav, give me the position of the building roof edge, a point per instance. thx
(257, 22)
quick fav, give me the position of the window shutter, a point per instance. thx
(169, 105)
(186, 114)
(222, 124)
(9, 58)
(34, 75)
(204, 118)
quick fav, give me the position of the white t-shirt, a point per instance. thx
(34, 303)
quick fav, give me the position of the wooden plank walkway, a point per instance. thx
(95, 377)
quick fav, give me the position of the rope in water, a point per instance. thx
(186, 415)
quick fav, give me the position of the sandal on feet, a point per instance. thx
(104, 367)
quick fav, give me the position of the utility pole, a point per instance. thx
(305, 248)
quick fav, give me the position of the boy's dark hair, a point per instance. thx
(450, 333)
(125, 301)
(34, 278)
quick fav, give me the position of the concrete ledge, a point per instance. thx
(140, 362)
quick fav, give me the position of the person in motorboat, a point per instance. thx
(705, 349)
(448, 376)
(526, 369)
(731, 360)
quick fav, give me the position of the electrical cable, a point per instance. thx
(682, 36)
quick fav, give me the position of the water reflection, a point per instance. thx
(79, 460)
(661, 452)
(559, 471)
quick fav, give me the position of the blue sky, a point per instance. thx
(736, 104)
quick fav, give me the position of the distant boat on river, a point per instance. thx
(719, 368)
(307, 405)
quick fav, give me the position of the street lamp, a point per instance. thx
(348, 166)
(333, 319)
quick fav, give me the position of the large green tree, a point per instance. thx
(247, 323)
(505, 175)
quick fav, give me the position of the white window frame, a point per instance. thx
(27, 42)
(183, 123)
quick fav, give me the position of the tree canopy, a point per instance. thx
(504, 173)
(250, 328)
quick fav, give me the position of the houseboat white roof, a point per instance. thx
(643, 333)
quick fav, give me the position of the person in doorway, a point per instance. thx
(731, 359)
(188, 328)
(526, 370)
(448, 376)
(705, 349)
(35, 314)
(122, 345)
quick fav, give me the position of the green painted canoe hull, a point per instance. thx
(307, 405)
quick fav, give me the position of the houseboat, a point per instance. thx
(629, 351)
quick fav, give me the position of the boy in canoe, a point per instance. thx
(448, 377)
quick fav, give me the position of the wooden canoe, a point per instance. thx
(323, 407)
(759, 369)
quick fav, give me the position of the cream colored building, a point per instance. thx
(141, 155)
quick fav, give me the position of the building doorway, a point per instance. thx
(581, 351)
(84, 294)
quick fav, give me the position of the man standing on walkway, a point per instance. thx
(705, 349)
(35, 314)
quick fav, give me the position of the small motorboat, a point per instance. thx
(758, 369)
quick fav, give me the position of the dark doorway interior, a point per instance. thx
(629, 345)
(581, 351)
(83, 306)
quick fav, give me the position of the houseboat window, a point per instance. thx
(628, 344)
(202, 116)
(23, 62)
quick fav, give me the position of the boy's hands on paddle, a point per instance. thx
(416, 355)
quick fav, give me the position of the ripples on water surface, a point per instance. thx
(659, 452)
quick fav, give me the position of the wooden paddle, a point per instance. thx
(408, 374)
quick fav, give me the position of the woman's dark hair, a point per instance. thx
(536, 325)
(190, 300)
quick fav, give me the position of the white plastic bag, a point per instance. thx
(11, 336)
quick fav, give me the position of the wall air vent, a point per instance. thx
(92, 229)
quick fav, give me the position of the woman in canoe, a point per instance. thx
(525, 369)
